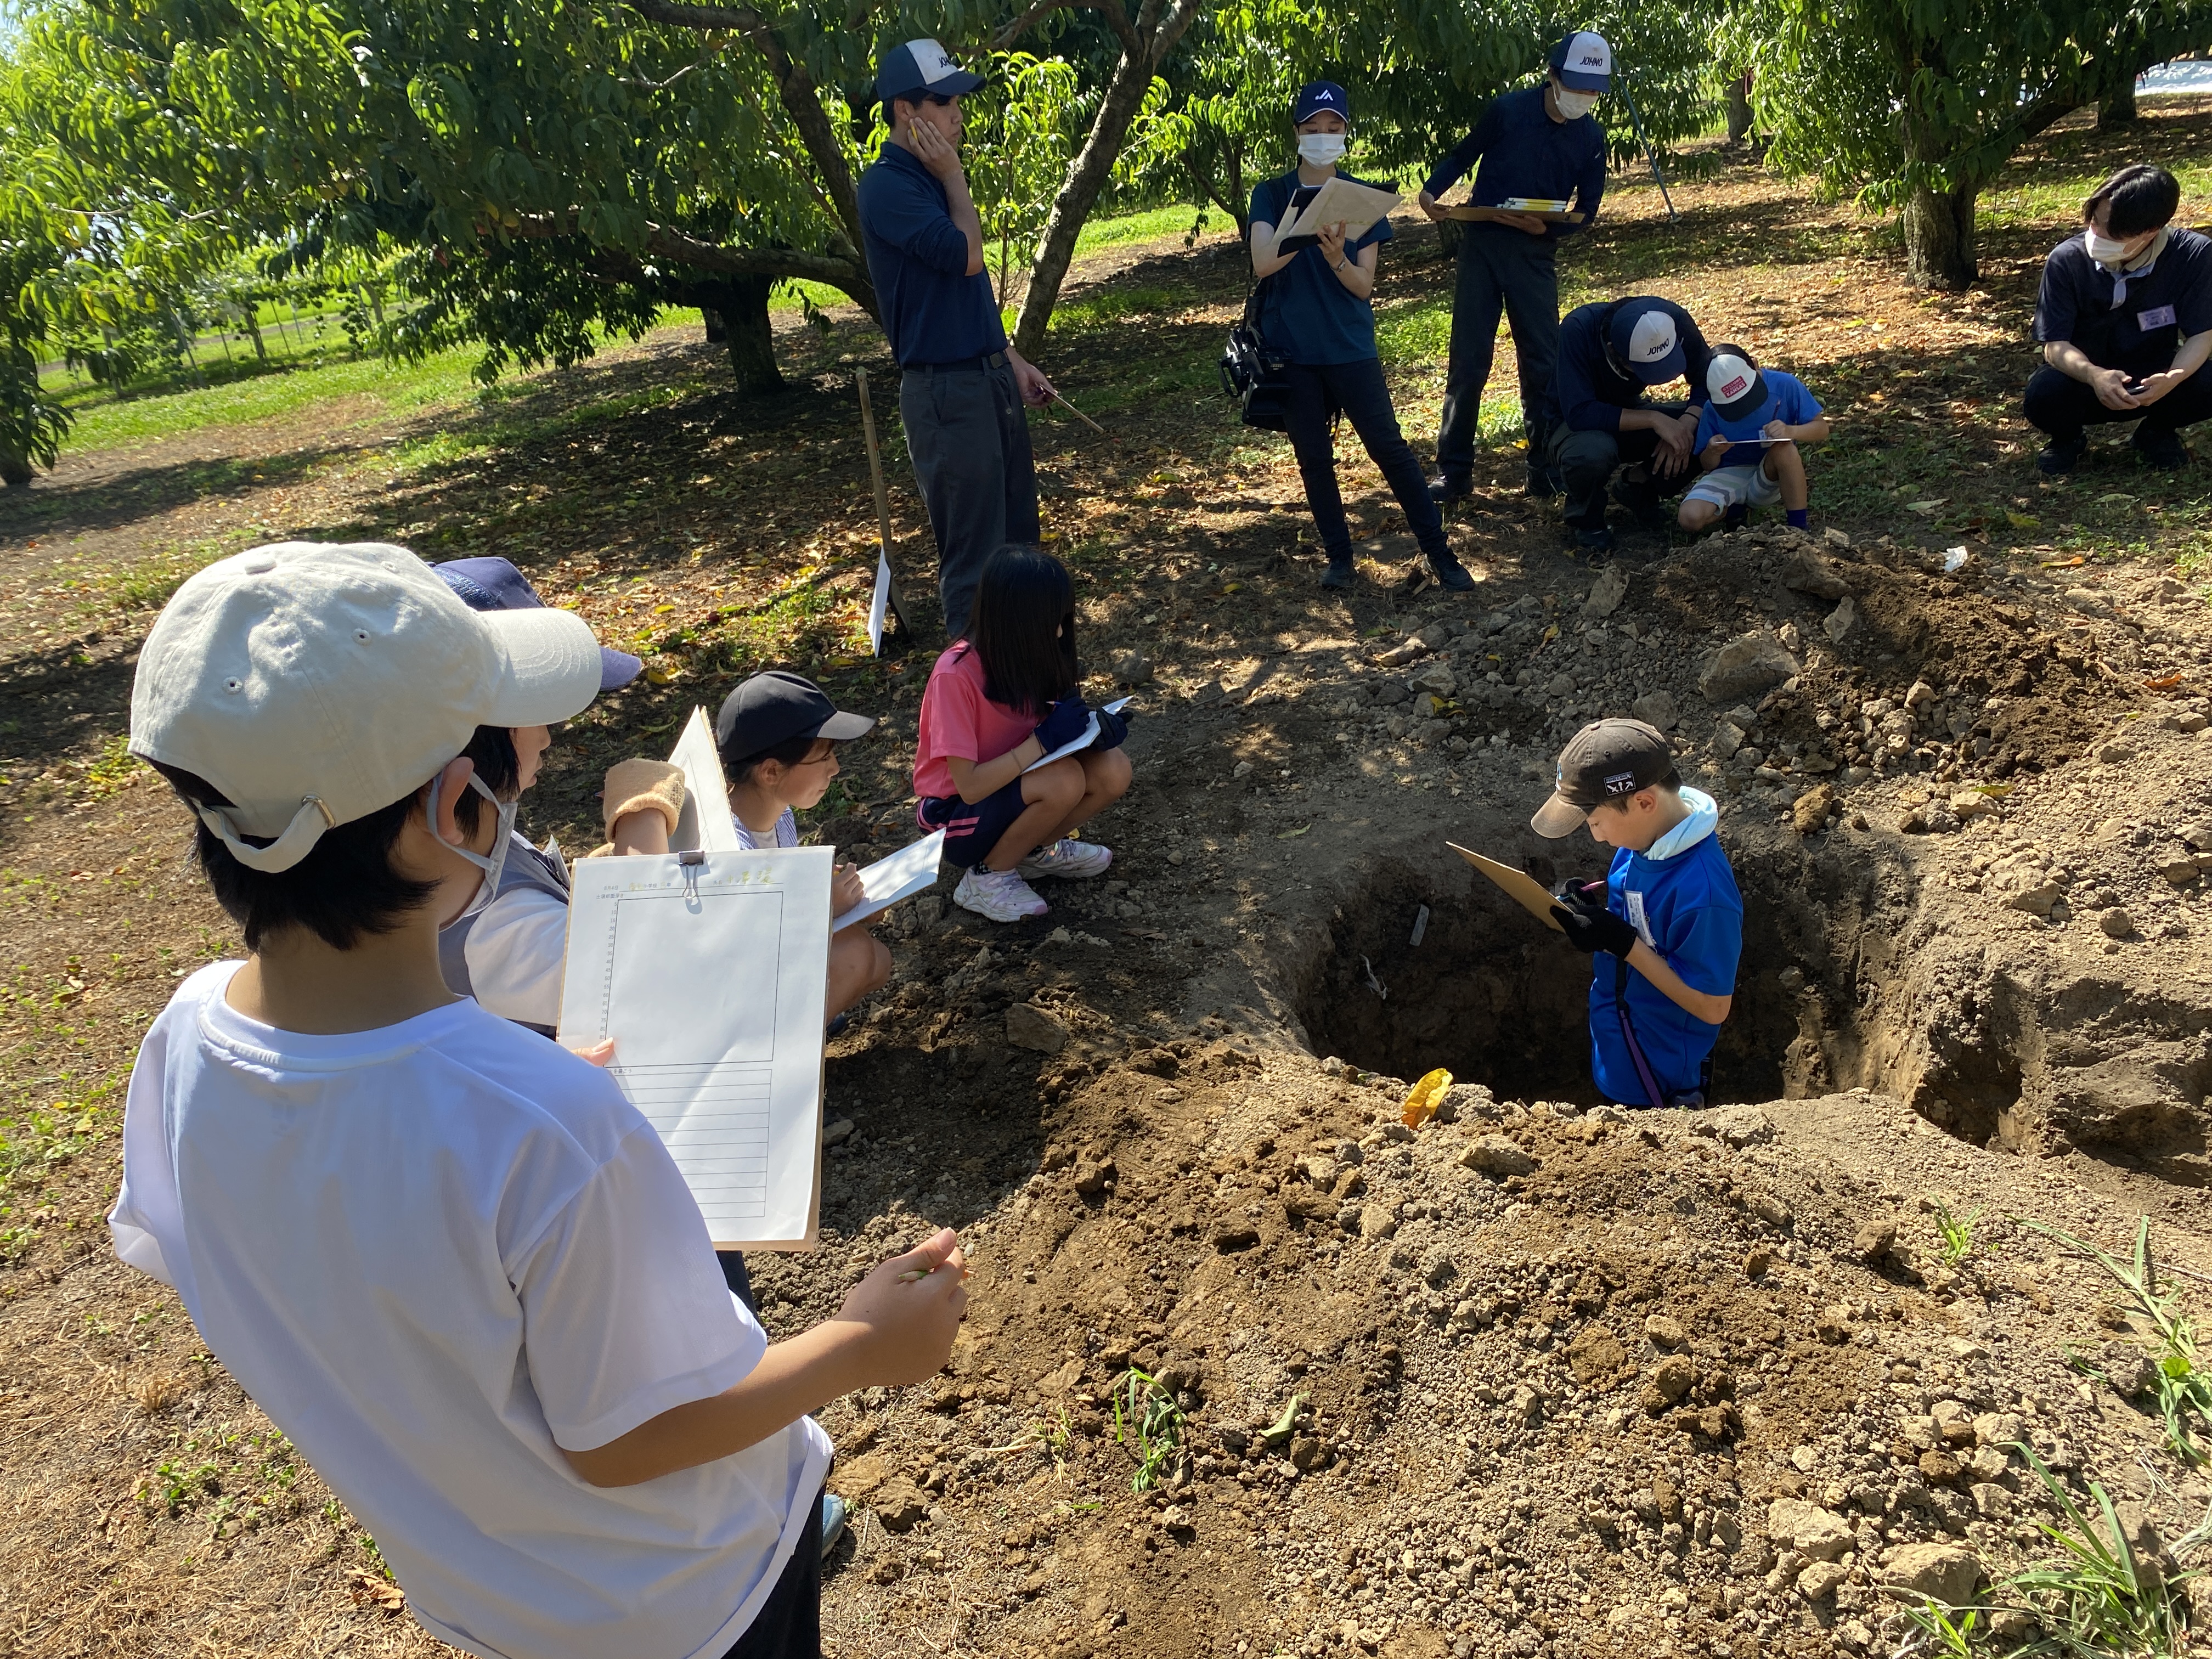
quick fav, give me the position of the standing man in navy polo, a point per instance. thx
(962, 396)
(1538, 142)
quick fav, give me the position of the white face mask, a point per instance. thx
(1320, 148)
(497, 861)
(2105, 250)
(1574, 105)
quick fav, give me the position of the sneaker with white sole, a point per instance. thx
(1001, 895)
(1070, 859)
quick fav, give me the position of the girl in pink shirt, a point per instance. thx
(998, 700)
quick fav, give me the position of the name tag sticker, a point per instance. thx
(2156, 317)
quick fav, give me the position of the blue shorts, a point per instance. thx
(970, 832)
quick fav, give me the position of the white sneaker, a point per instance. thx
(1001, 894)
(1070, 859)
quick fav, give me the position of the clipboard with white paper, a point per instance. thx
(1083, 740)
(1522, 887)
(901, 876)
(705, 823)
(1339, 201)
(710, 971)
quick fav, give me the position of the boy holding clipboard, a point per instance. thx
(446, 1255)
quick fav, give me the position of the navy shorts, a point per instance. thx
(970, 832)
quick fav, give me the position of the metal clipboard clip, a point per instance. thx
(689, 864)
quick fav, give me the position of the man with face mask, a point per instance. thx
(963, 387)
(1538, 143)
(2125, 319)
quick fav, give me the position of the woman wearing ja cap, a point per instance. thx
(1315, 311)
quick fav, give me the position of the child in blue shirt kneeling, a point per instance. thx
(1750, 443)
(1667, 914)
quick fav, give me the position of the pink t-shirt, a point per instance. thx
(959, 722)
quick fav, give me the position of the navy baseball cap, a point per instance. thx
(1583, 62)
(1643, 336)
(919, 67)
(495, 585)
(1318, 95)
(776, 707)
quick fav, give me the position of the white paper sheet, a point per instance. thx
(711, 981)
(1340, 200)
(1089, 736)
(705, 821)
(901, 876)
(881, 603)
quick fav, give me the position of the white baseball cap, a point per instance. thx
(1735, 384)
(312, 684)
(1583, 62)
(1643, 335)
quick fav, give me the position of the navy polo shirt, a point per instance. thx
(1305, 312)
(1586, 393)
(933, 311)
(1688, 910)
(2162, 306)
(1524, 152)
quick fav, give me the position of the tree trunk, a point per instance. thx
(751, 339)
(1939, 237)
(1739, 109)
(1094, 165)
(716, 333)
(14, 468)
(2118, 107)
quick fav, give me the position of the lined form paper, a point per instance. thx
(710, 977)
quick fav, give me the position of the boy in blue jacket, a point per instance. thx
(1668, 913)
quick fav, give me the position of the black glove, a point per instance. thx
(1591, 928)
(1065, 723)
(1113, 727)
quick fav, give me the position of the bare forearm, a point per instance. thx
(1266, 262)
(2191, 356)
(791, 1379)
(1648, 963)
(1358, 276)
(639, 832)
(2068, 359)
(979, 780)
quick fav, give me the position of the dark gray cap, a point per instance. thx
(776, 707)
(1604, 761)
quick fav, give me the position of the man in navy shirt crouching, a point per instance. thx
(962, 396)
(2125, 319)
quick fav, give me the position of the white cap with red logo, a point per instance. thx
(1735, 384)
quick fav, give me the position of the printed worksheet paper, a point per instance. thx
(710, 977)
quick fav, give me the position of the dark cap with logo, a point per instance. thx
(1607, 760)
(1318, 95)
(775, 708)
(919, 68)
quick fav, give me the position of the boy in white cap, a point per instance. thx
(444, 1254)
(1749, 443)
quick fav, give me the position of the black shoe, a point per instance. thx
(2163, 449)
(1339, 574)
(1642, 502)
(1542, 484)
(1451, 575)
(1736, 517)
(837, 1027)
(1450, 487)
(1599, 540)
(2062, 455)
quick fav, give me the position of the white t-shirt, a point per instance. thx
(434, 1254)
(516, 953)
(787, 832)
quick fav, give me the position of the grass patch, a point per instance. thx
(1113, 305)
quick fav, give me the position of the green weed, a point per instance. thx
(1956, 1233)
(1154, 1420)
(2180, 1383)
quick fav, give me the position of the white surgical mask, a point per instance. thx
(2105, 250)
(1320, 148)
(497, 861)
(1573, 105)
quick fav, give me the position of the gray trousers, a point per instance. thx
(969, 440)
(1585, 463)
(1501, 271)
